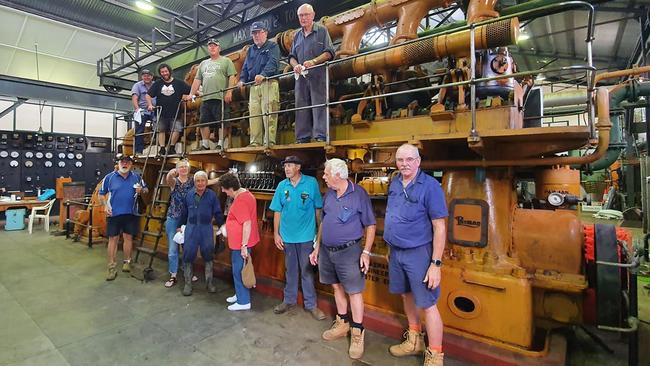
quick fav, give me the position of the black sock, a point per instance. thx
(345, 317)
(356, 325)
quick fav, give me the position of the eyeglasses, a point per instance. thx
(408, 160)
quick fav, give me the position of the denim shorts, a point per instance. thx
(406, 271)
(342, 267)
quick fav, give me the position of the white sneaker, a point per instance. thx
(236, 307)
(232, 299)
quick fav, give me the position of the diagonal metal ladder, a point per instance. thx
(160, 187)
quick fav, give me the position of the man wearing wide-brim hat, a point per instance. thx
(297, 206)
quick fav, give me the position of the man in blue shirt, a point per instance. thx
(347, 213)
(264, 96)
(415, 230)
(296, 204)
(118, 193)
(311, 46)
(139, 101)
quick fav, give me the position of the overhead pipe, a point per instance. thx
(498, 34)
(350, 26)
(621, 73)
(630, 90)
(603, 127)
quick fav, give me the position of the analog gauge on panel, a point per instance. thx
(61, 155)
(48, 164)
(79, 156)
(39, 155)
(4, 154)
(29, 154)
(14, 154)
(78, 164)
(13, 163)
(28, 179)
(29, 163)
(70, 156)
(49, 155)
(61, 164)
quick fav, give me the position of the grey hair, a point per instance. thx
(409, 147)
(182, 162)
(200, 173)
(337, 166)
(306, 6)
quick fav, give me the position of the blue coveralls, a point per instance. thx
(198, 224)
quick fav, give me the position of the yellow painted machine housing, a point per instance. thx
(499, 256)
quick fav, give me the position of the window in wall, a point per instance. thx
(99, 124)
(29, 115)
(68, 120)
(6, 122)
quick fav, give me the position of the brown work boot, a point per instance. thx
(433, 358)
(112, 272)
(283, 308)
(413, 345)
(317, 313)
(356, 343)
(339, 329)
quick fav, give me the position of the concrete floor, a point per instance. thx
(57, 309)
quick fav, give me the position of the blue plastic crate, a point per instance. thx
(15, 219)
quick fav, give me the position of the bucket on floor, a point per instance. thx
(15, 219)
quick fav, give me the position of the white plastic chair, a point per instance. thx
(45, 216)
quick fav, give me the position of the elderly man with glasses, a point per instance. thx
(415, 230)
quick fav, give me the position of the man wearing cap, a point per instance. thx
(169, 93)
(264, 96)
(215, 74)
(296, 204)
(118, 193)
(342, 262)
(311, 46)
(139, 100)
(415, 230)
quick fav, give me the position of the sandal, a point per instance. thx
(171, 282)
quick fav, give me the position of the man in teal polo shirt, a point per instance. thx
(297, 203)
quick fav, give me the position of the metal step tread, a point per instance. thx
(147, 250)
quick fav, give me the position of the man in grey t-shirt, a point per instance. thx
(215, 74)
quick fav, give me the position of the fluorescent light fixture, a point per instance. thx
(540, 77)
(252, 168)
(144, 5)
(523, 37)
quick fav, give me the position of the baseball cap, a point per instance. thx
(292, 159)
(257, 26)
(146, 71)
(213, 40)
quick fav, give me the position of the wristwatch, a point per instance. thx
(437, 262)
